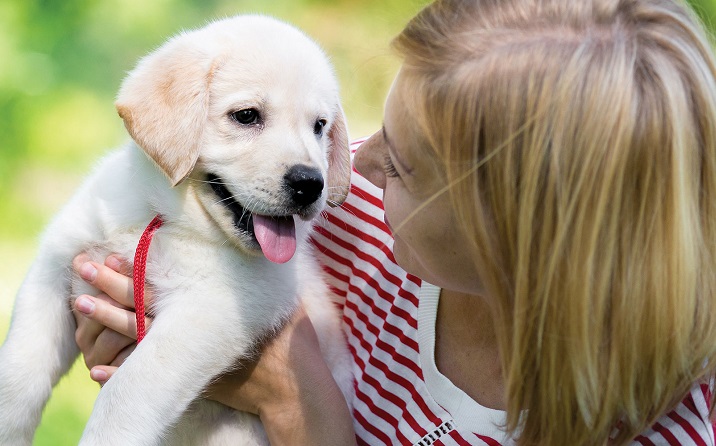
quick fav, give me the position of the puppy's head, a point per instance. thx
(247, 112)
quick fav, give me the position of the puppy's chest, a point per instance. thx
(180, 266)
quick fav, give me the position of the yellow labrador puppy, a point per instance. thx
(239, 141)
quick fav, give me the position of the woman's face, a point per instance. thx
(428, 241)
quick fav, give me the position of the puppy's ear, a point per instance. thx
(339, 161)
(164, 103)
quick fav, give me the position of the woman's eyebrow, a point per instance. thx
(385, 136)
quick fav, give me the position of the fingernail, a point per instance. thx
(85, 305)
(113, 262)
(78, 261)
(88, 271)
(82, 257)
(98, 375)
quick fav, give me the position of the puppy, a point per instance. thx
(239, 141)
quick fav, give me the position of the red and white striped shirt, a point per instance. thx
(401, 398)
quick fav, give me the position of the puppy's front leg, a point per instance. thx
(183, 351)
(39, 349)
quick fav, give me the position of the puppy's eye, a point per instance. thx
(318, 127)
(247, 116)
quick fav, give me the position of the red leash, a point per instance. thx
(140, 267)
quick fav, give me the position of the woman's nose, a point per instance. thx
(367, 160)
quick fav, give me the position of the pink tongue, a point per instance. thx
(277, 237)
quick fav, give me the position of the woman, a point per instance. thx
(548, 175)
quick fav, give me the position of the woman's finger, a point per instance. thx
(87, 332)
(118, 286)
(123, 355)
(102, 311)
(102, 373)
(108, 348)
(119, 264)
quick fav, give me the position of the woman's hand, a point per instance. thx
(288, 385)
(291, 389)
(106, 324)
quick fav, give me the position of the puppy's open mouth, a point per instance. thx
(275, 235)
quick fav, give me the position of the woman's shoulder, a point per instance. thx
(687, 424)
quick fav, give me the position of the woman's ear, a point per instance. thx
(339, 161)
(164, 103)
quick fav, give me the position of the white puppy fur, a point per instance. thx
(231, 122)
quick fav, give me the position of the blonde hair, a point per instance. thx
(580, 141)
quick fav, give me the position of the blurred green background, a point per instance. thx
(61, 62)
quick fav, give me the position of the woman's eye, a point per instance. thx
(246, 116)
(318, 127)
(389, 168)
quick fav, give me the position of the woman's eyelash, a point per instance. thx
(389, 168)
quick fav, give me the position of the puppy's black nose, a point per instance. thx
(304, 183)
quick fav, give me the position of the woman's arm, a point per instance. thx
(289, 385)
(291, 389)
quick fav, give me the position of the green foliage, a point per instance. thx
(706, 10)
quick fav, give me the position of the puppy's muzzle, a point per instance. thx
(304, 183)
